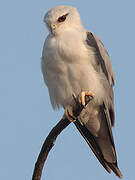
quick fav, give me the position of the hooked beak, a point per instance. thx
(52, 28)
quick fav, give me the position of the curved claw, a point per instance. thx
(69, 114)
(83, 94)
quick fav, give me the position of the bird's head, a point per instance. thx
(62, 18)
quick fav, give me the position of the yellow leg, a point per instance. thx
(68, 110)
(83, 94)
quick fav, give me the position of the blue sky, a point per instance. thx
(25, 110)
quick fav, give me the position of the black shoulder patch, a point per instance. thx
(91, 41)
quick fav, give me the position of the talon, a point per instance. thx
(83, 94)
(68, 114)
(75, 98)
(71, 117)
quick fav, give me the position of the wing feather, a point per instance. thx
(101, 141)
(101, 146)
(103, 61)
(103, 58)
(92, 144)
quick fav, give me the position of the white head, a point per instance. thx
(62, 18)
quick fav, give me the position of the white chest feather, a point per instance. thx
(67, 69)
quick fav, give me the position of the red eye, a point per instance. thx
(62, 18)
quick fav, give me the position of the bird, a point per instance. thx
(74, 60)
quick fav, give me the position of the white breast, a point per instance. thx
(67, 69)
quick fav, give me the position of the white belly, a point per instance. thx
(66, 73)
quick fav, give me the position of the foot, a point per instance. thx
(69, 114)
(83, 94)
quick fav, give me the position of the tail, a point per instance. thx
(115, 169)
(90, 139)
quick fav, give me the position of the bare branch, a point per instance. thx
(49, 141)
(48, 144)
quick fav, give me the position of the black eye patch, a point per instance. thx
(62, 18)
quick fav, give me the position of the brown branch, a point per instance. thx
(48, 144)
(49, 141)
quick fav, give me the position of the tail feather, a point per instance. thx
(91, 141)
(115, 169)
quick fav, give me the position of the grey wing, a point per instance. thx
(103, 58)
(103, 64)
(97, 119)
(102, 145)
